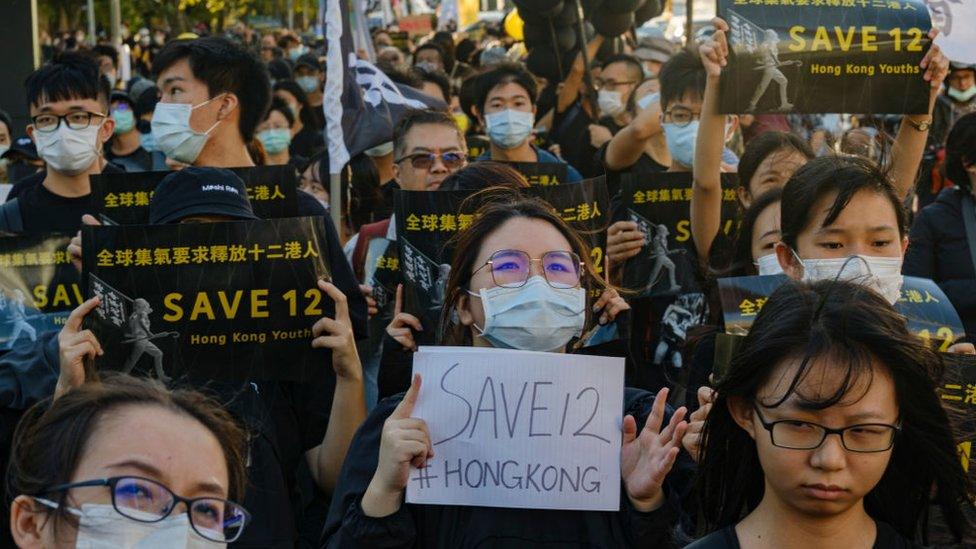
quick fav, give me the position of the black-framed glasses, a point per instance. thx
(145, 500)
(680, 116)
(77, 120)
(424, 161)
(512, 268)
(863, 438)
(611, 84)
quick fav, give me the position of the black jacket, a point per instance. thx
(937, 249)
(449, 526)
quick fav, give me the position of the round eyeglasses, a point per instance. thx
(512, 268)
(77, 120)
(145, 500)
(680, 116)
(804, 435)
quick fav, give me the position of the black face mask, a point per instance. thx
(143, 126)
(18, 170)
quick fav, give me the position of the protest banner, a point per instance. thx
(416, 25)
(400, 40)
(957, 389)
(427, 221)
(541, 173)
(957, 34)
(928, 311)
(382, 274)
(519, 429)
(825, 56)
(123, 198)
(38, 286)
(233, 300)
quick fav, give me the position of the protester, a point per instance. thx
(306, 137)
(310, 77)
(619, 77)
(6, 139)
(434, 84)
(125, 148)
(943, 236)
(107, 58)
(773, 474)
(126, 462)
(21, 161)
(70, 123)
(505, 106)
(274, 132)
(368, 508)
(958, 100)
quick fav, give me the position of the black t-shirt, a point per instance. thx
(307, 143)
(571, 130)
(44, 211)
(139, 160)
(726, 538)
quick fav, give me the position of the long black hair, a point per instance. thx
(857, 329)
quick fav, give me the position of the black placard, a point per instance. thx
(123, 198)
(825, 56)
(229, 300)
(38, 286)
(542, 174)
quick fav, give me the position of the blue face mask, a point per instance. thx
(147, 141)
(296, 52)
(681, 142)
(275, 140)
(535, 317)
(308, 84)
(124, 121)
(509, 128)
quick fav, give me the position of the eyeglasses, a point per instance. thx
(680, 116)
(511, 268)
(610, 84)
(77, 120)
(424, 161)
(146, 500)
(804, 435)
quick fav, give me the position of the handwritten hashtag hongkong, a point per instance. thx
(423, 475)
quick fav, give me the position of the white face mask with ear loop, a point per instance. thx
(173, 134)
(882, 274)
(768, 265)
(69, 151)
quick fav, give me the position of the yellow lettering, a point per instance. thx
(916, 43)
(683, 231)
(40, 296)
(896, 34)
(821, 38)
(172, 303)
(845, 41)
(797, 42)
(230, 309)
(869, 35)
(60, 296)
(202, 306)
(259, 299)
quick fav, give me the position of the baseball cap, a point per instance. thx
(308, 60)
(654, 48)
(24, 146)
(199, 191)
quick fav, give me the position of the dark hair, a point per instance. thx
(428, 45)
(224, 67)
(478, 176)
(359, 183)
(280, 105)
(406, 77)
(445, 40)
(292, 87)
(108, 51)
(961, 151)
(53, 435)
(742, 263)
(438, 78)
(7, 121)
(855, 328)
(682, 73)
(764, 145)
(418, 117)
(635, 65)
(146, 102)
(279, 69)
(287, 39)
(498, 205)
(69, 76)
(845, 175)
(503, 73)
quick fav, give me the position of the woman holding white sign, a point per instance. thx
(826, 359)
(506, 290)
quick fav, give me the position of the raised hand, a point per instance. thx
(337, 334)
(611, 304)
(696, 422)
(647, 458)
(74, 345)
(400, 328)
(714, 50)
(624, 241)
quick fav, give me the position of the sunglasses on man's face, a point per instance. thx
(424, 161)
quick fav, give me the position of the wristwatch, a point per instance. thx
(920, 126)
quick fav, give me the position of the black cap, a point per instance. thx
(119, 95)
(24, 146)
(199, 191)
(308, 60)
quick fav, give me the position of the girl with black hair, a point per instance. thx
(306, 136)
(827, 436)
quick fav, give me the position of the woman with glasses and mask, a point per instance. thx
(516, 282)
(827, 436)
(127, 463)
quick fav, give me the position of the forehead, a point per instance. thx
(65, 105)
(618, 70)
(277, 117)
(432, 136)
(866, 210)
(428, 53)
(691, 99)
(286, 95)
(781, 162)
(180, 71)
(510, 235)
(507, 90)
(871, 389)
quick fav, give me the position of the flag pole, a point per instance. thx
(335, 200)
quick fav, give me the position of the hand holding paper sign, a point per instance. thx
(74, 345)
(646, 460)
(74, 247)
(405, 442)
(402, 324)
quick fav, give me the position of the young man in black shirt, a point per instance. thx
(69, 104)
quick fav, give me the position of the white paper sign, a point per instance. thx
(957, 34)
(519, 429)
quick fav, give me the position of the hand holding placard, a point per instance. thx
(74, 345)
(405, 442)
(402, 324)
(647, 459)
(337, 335)
(715, 50)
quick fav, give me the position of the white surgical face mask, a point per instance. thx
(646, 101)
(610, 103)
(769, 265)
(535, 317)
(962, 96)
(509, 128)
(68, 151)
(882, 274)
(173, 135)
